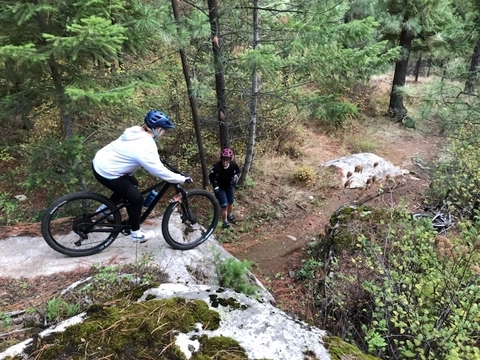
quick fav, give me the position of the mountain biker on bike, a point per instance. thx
(114, 165)
(223, 177)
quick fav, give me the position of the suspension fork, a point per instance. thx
(181, 197)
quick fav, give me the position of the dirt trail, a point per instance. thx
(277, 249)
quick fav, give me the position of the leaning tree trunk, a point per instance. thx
(472, 72)
(193, 105)
(396, 109)
(219, 77)
(253, 103)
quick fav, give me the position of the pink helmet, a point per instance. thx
(228, 153)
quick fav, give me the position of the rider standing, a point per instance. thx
(114, 165)
(223, 177)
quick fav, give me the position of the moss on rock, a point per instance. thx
(348, 223)
(219, 348)
(126, 330)
(340, 350)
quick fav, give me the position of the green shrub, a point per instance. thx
(233, 274)
(389, 285)
(425, 303)
(457, 177)
(59, 167)
(303, 175)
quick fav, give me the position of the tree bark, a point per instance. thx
(418, 66)
(59, 88)
(60, 94)
(193, 105)
(253, 103)
(396, 109)
(472, 71)
(219, 77)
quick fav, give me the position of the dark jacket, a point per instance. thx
(221, 177)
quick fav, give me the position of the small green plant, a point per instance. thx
(5, 320)
(249, 183)
(303, 175)
(57, 308)
(233, 274)
(110, 280)
(107, 274)
(309, 269)
(5, 155)
(10, 209)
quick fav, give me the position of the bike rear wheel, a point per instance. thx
(183, 233)
(73, 226)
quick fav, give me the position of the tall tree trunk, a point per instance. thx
(57, 83)
(219, 78)
(193, 104)
(60, 94)
(253, 103)
(472, 71)
(396, 109)
(418, 66)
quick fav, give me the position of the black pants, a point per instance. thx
(125, 188)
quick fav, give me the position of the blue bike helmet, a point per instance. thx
(155, 119)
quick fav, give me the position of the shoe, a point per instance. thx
(225, 225)
(102, 210)
(231, 219)
(140, 236)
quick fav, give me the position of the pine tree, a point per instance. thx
(69, 56)
(406, 22)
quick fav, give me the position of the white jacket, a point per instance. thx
(135, 148)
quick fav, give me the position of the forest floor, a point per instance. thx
(277, 219)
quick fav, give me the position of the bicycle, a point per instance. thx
(440, 217)
(73, 225)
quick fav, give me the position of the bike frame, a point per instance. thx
(181, 195)
(160, 194)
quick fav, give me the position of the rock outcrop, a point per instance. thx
(364, 169)
(220, 318)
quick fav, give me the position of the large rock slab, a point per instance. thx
(262, 330)
(363, 169)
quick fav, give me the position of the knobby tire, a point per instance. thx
(72, 227)
(179, 232)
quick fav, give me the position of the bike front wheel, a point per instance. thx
(74, 226)
(185, 231)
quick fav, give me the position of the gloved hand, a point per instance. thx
(235, 179)
(188, 180)
(216, 189)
